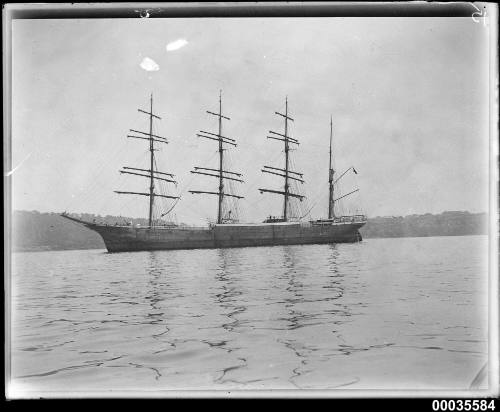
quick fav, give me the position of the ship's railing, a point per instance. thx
(342, 219)
(279, 219)
(274, 219)
(184, 227)
(350, 219)
(161, 227)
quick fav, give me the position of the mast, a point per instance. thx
(286, 171)
(152, 158)
(149, 173)
(332, 182)
(221, 173)
(285, 203)
(221, 156)
(331, 202)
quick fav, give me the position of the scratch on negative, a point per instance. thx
(17, 167)
(356, 380)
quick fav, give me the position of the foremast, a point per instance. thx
(152, 173)
(286, 173)
(221, 173)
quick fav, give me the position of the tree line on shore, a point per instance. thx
(35, 231)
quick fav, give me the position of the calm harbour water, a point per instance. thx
(407, 313)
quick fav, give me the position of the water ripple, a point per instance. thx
(382, 313)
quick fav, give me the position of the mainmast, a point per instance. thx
(222, 174)
(331, 201)
(221, 156)
(152, 173)
(287, 149)
(152, 158)
(286, 172)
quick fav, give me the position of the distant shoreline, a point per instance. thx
(33, 231)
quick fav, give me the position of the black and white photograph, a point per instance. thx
(251, 200)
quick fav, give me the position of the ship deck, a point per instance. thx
(337, 221)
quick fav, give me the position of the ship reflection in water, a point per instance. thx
(360, 316)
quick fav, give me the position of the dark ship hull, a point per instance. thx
(128, 239)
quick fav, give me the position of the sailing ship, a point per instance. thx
(227, 232)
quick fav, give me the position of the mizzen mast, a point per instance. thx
(331, 201)
(332, 182)
(219, 173)
(152, 176)
(286, 172)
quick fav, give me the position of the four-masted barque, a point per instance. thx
(225, 233)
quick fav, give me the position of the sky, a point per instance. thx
(408, 98)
